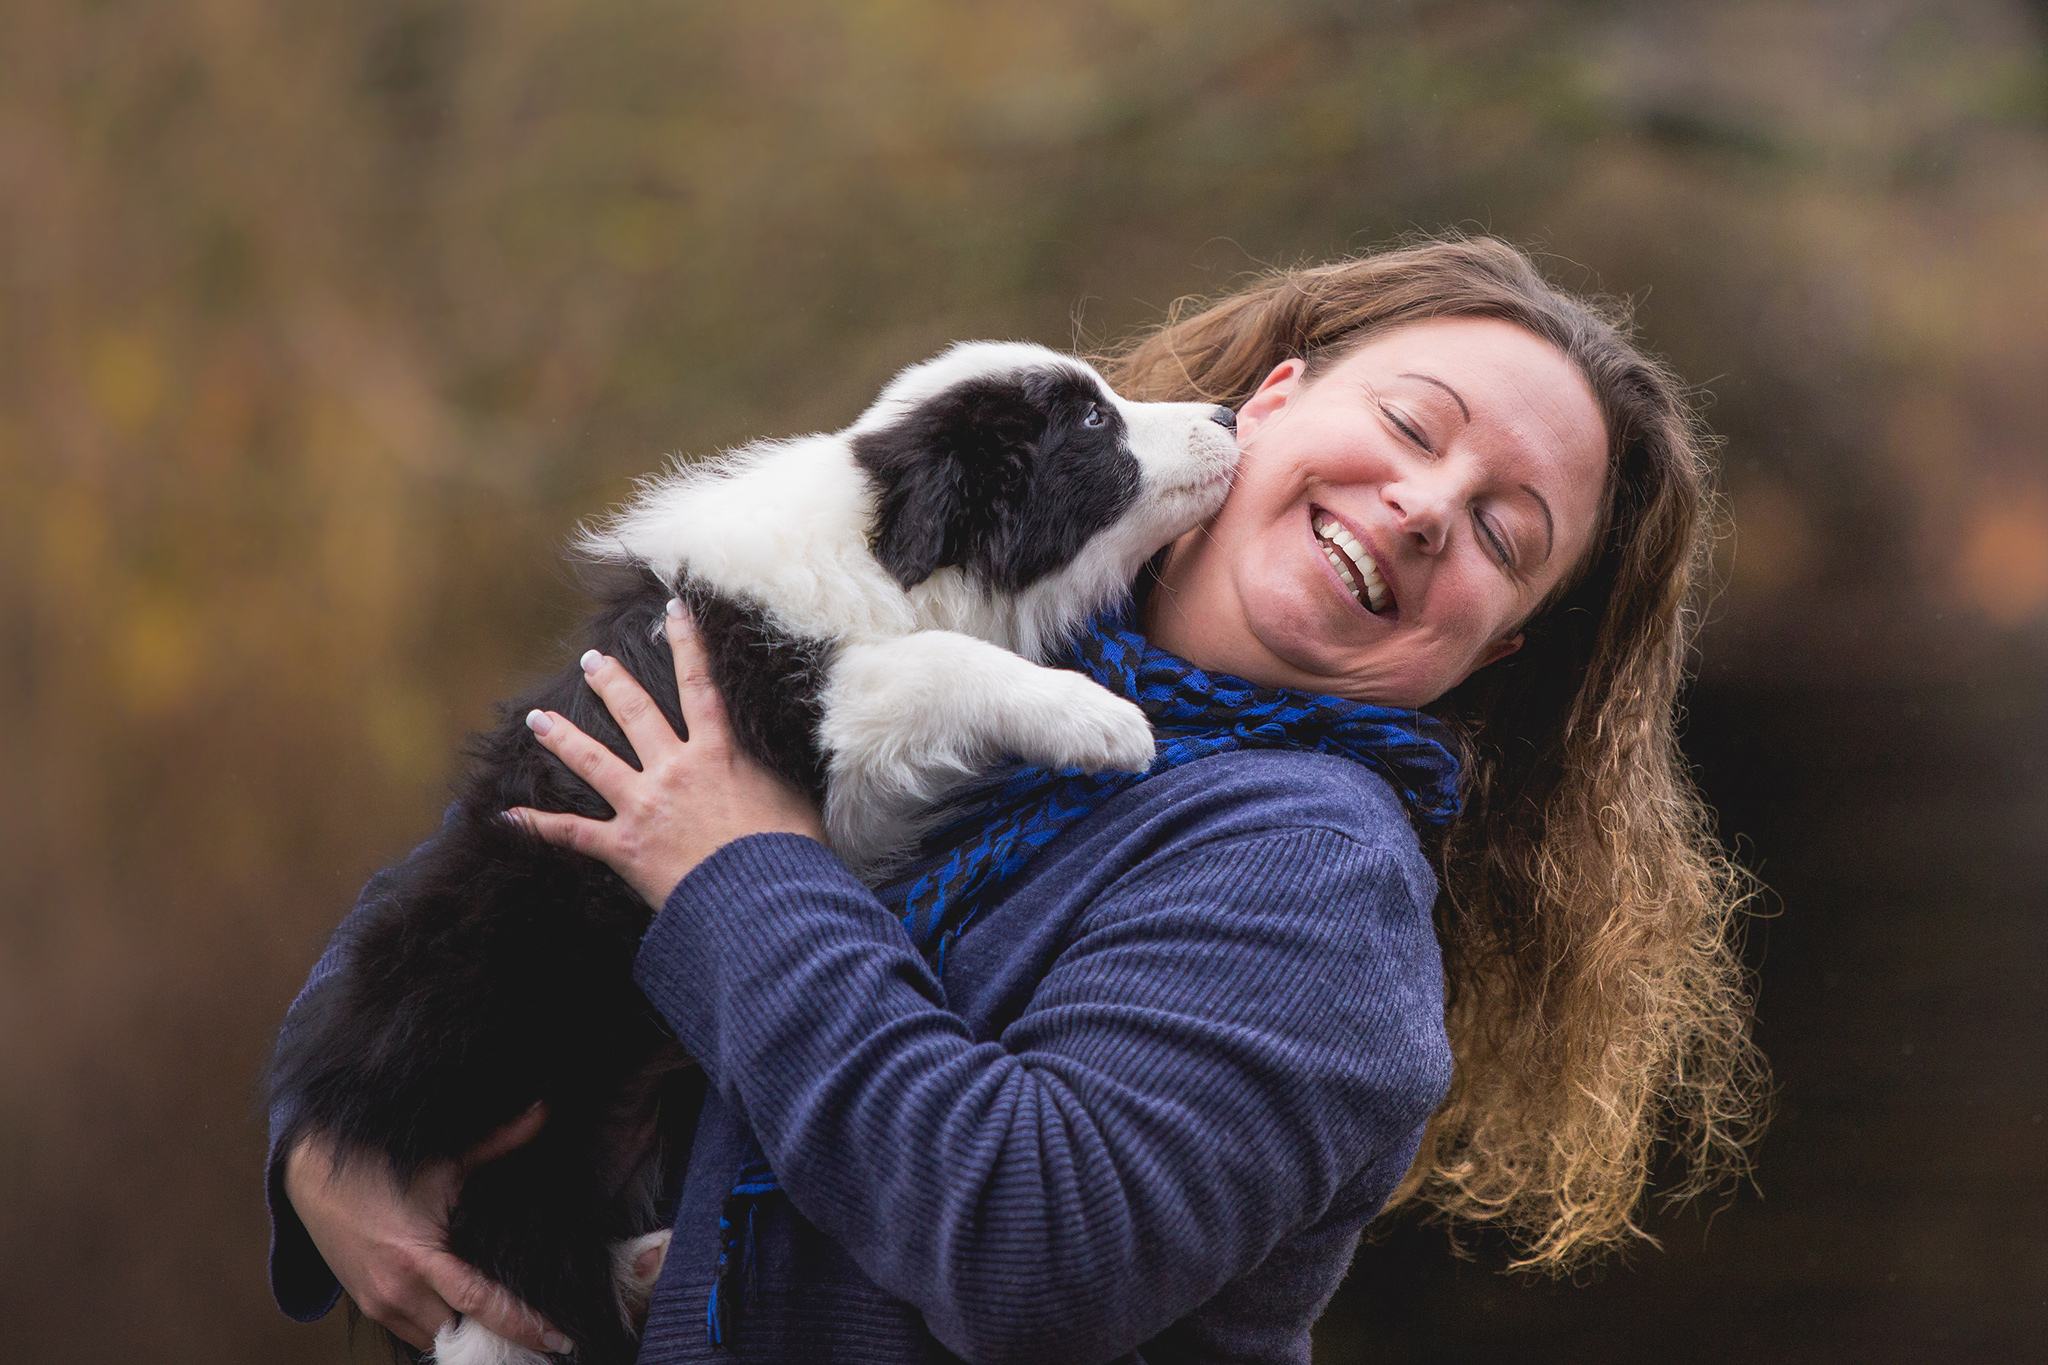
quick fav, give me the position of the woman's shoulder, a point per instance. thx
(1247, 789)
(1261, 866)
(1252, 794)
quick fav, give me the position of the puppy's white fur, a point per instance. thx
(468, 1342)
(927, 686)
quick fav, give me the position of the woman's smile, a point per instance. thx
(1357, 570)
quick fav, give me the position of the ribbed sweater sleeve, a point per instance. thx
(1229, 1037)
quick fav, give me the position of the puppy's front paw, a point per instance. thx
(1099, 732)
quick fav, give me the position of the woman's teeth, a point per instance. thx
(1353, 565)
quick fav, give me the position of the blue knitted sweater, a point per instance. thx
(1180, 1062)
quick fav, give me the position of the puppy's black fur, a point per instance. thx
(494, 970)
(1035, 467)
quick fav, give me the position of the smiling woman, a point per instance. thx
(1532, 492)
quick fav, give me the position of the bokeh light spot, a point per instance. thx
(2004, 566)
(157, 655)
(126, 380)
(1774, 543)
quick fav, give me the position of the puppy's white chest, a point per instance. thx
(947, 601)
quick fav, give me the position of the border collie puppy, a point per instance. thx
(878, 605)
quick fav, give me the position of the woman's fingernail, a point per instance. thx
(538, 722)
(557, 1343)
(590, 660)
(675, 608)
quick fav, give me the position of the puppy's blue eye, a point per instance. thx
(1094, 417)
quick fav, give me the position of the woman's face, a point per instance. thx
(1394, 522)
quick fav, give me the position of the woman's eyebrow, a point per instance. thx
(1432, 379)
(1549, 522)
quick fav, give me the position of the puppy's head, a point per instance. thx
(1017, 464)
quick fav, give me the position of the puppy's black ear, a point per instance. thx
(919, 499)
(945, 473)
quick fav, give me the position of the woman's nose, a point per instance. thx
(1420, 513)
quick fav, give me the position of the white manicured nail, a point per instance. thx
(590, 660)
(675, 607)
(538, 722)
(557, 1343)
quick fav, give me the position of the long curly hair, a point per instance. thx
(1597, 1006)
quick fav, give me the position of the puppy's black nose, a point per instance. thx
(1223, 417)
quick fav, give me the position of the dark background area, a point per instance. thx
(322, 325)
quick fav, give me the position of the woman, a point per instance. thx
(1149, 1101)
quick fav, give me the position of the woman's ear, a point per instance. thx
(1500, 651)
(1273, 394)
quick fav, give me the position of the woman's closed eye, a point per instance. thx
(1494, 539)
(1407, 427)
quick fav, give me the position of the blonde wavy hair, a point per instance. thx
(1596, 1003)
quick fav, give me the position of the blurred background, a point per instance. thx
(322, 324)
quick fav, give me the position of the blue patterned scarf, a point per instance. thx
(1194, 714)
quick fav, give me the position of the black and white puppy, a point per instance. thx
(878, 605)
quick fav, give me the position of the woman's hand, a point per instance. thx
(388, 1246)
(689, 798)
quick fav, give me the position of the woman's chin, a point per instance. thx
(1309, 669)
(1377, 677)
(1309, 636)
